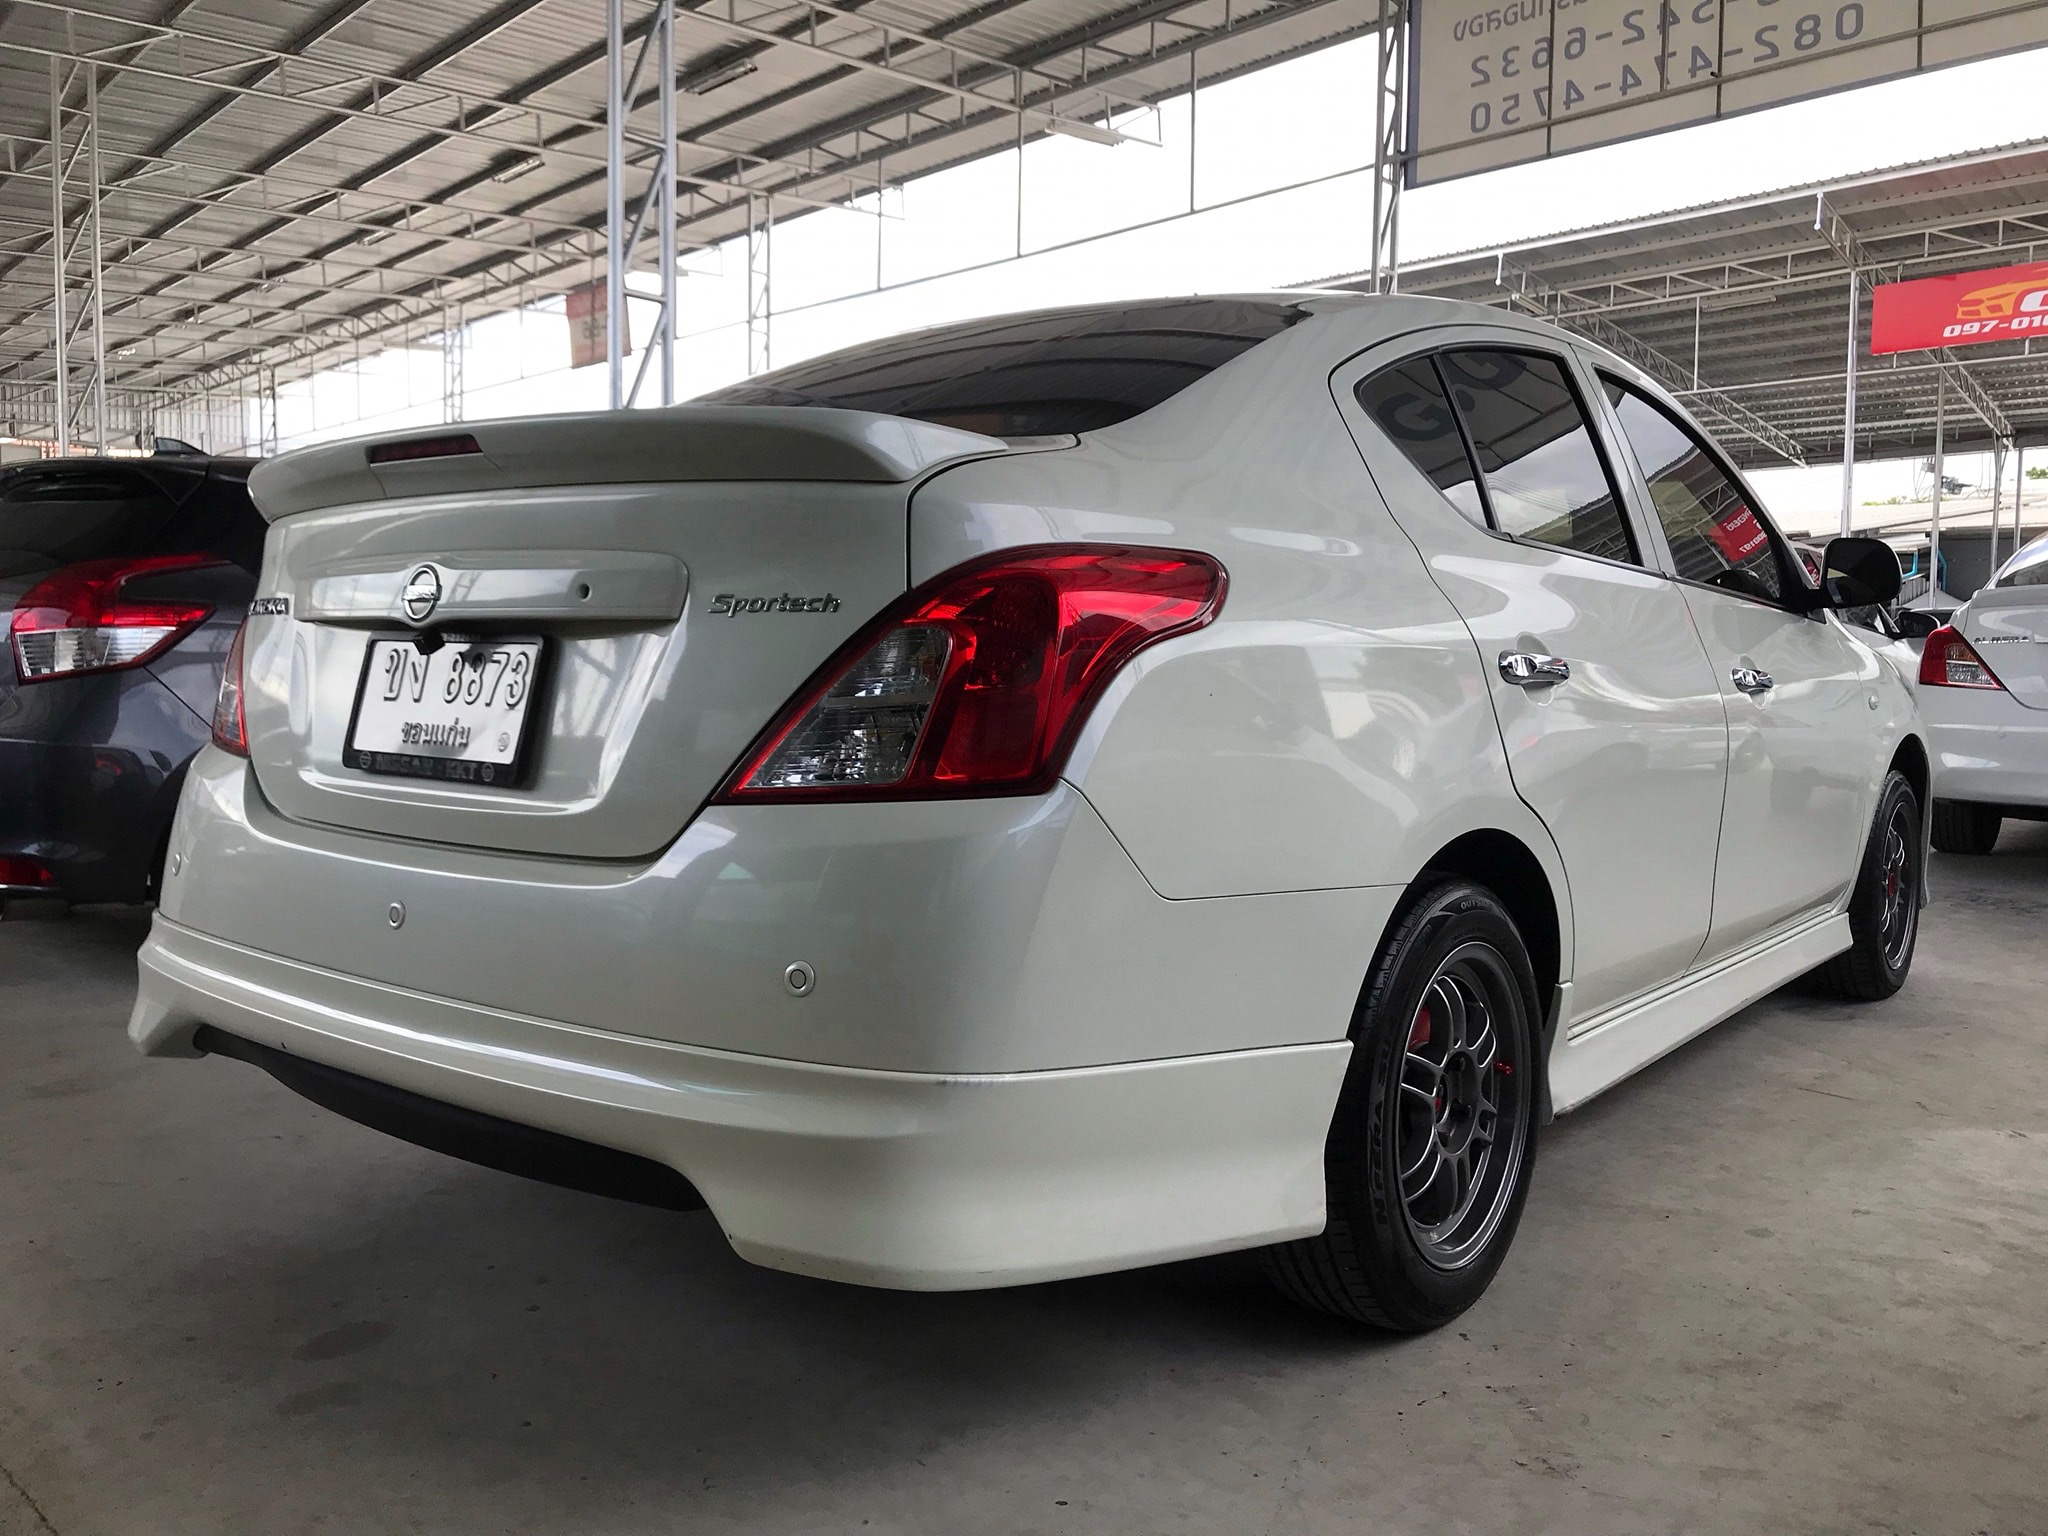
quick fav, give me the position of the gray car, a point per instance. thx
(124, 581)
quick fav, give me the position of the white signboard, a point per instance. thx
(1496, 83)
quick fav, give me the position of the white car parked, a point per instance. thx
(1984, 694)
(1044, 795)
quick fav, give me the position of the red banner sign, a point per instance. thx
(1998, 304)
(1737, 534)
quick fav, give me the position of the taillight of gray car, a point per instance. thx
(122, 584)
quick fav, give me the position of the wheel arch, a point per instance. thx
(1508, 867)
(1910, 758)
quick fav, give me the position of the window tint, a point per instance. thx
(1407, 402)
(63, 514)
(1545, 480)
(2028, 568)
(1714, 535)
(1035, 375)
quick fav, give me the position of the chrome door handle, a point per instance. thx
(1752, 679)
(1525, 670)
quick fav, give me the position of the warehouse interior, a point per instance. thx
(1782, 1280)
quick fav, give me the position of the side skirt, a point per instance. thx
(1593, 1054)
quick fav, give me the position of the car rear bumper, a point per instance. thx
(89, 778)
(1987, 747)
(928, 1181)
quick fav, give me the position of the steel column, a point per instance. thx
(453, 341)
(62, 412)
(1390, 137)
(1849, 412)
(760, 272)
(99, 308)
(2019, 493)
(1997, 497)
(1934, 514)
(615, 197)
(671, 279)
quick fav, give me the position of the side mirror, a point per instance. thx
(1918, 623)
(1858, 573)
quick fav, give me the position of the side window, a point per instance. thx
(1715, 537)
(1407, 402)
(1545, 480)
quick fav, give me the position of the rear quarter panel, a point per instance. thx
(1332, 727)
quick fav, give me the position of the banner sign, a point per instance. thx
(1738, 535)
(1997, 304)
(1497, 82)
(589, 310)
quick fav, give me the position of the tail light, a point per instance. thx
(977, 682)
(78, 619)
(230, 730)
(1947, 660)
(20, 872)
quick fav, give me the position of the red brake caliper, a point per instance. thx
(1418, 1034)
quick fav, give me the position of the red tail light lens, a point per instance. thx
(1947, 660)
(79, 619)
(230, 730)
(978, 682)
(19, 872)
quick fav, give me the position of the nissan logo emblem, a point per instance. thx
(422, 594)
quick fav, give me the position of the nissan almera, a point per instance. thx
(1044, 795)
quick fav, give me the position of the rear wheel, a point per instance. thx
(1434, 1136)
(1959, 826)
(1884, 908)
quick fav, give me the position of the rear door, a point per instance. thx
(1798, 691)
(1624, 757)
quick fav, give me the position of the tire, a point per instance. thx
(1414, 1091)
(1959, 826)
(1884, 908)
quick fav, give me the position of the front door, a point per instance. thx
(1798, 690)
(1622, 749)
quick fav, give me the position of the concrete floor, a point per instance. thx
(1789, 1279)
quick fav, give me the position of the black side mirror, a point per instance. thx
(1858, 573)
(1918, 623)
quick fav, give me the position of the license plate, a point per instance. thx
(459, 712)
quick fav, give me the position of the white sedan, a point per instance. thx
(1984, 693)
(1044, 795)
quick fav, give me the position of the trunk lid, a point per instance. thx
(2008, 626)
(685, 571)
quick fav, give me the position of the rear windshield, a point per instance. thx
(2028, 568)
(64, 513)
(1037, 375)
(58, 516)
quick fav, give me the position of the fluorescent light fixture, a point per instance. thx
(719, 74)
(373, 236)
(1738, 301)
(1078, 128)
(518, 168)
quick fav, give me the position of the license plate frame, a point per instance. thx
(517, 774)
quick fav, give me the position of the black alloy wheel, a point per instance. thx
(1434, 1135)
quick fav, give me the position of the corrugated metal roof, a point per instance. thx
(286, 176)
(1747, 302)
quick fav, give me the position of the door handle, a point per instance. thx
(1526, 670)
(1752, 679)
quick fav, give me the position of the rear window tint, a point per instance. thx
(1409, 403)
(2028, 568)
(1035, 375)
(58, 517)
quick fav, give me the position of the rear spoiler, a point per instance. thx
(680, 443)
